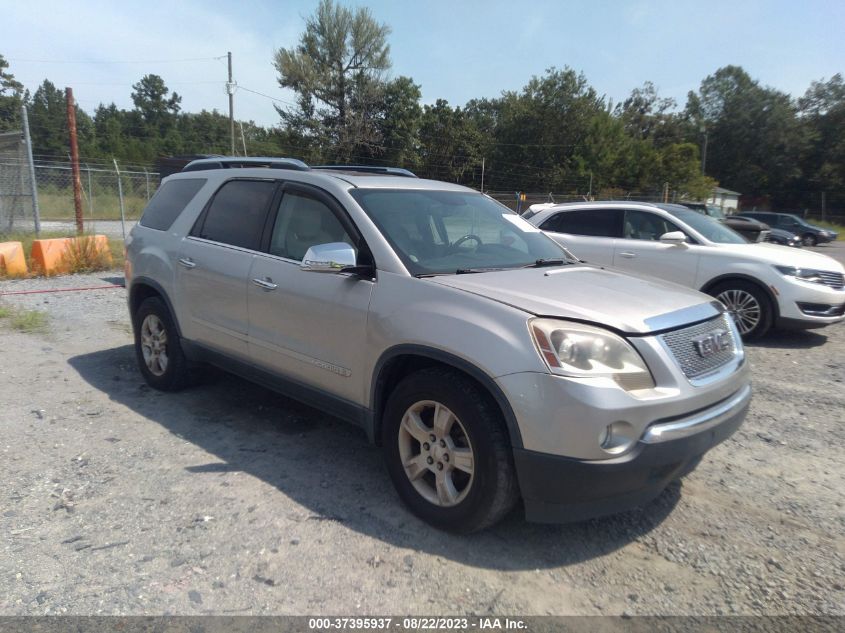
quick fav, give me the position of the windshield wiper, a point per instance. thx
(541, 263)
(467, 271)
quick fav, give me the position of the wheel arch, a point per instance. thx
(706, 288)
(402, 360)
(143, 288)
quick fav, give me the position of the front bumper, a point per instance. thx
(807, 305)
(559, 489)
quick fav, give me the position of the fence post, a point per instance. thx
(120, 196)
(36, 212)
(147, 177)
(90, 192)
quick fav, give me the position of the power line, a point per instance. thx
(104, 61)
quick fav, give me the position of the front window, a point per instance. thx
(710, 228)
(436, 232)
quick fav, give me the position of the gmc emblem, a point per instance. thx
(712, 343)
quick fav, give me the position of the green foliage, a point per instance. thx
(337, 70)
(11, 98)
(22, 319)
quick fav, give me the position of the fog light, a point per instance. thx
(617, 438)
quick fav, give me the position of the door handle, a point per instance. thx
(187, 262)
(627, 254)
(265, 284)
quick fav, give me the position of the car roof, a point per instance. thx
(344, 179)
(543, 214)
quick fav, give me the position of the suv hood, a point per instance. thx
(624, 302)
(778, 255)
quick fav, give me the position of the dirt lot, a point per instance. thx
(228, 499)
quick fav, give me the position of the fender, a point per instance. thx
(146, 281)
(728, 276)
(377, 395)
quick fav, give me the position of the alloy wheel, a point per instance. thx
(154, 345)
(743, 307)
(436, 453)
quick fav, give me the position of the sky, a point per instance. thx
(455, 49)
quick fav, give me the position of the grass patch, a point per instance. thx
(58, 205)
(84, 255)
(23, 320)
(829, 225)
(26, 239)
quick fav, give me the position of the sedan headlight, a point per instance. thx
(804, 274)
(577, 350)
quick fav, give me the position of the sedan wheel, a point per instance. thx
(808, 240)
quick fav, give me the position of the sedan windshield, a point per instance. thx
(710, 228)
(437, 232)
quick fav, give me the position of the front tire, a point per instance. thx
(448, 452)
(158, 347)
(748, 304)
(809, 240)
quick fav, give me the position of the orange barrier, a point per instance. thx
(12, 260)
(54, 256)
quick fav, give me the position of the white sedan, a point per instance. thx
(761, 284)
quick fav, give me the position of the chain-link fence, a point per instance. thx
(16, 187)
(101, 195)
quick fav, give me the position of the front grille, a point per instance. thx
(834, 280)
(681, 344)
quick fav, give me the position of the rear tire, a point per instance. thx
(448, 452)
(158, 347)
(749, 305)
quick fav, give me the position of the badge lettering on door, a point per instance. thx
(712, 343)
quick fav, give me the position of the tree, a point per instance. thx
(755, 137)
(337, 69)
(823, 119)
(400, 122)
(150, 98)
(11, 98)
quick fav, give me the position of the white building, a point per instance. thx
(725, 199)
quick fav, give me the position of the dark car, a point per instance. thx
(752, 230)
(810, 234)
(784, 238)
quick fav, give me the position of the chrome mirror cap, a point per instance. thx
(328, 258)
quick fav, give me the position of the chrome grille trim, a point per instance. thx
(834, 280)
(680, 343)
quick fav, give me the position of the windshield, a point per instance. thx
(436, 232)
(710, 228)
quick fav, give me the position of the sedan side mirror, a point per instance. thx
(674, 237)
(329, 258)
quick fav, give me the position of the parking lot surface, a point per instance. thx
(229, 499)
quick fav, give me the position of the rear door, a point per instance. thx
(641, 251)
(307, 326)
(589, 233)
(214, 263)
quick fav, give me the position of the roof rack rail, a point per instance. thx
(369, 169)
(234, 162)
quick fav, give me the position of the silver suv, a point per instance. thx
(488, 362)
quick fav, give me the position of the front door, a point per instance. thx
(309, 326)
(641, 251)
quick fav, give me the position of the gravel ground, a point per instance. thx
(229, 499)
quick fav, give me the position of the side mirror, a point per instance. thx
(674, 237)
(329, 258)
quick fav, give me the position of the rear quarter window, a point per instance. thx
(169, 201)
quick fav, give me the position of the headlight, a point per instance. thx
(573, 349)
(804, 274)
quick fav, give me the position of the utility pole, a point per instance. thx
(36, 213)
(482, 174)
(74, 160)
(230, 88)
(703, 149)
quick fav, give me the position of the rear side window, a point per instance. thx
(237, 213)
(169, 201)
(591, 222)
